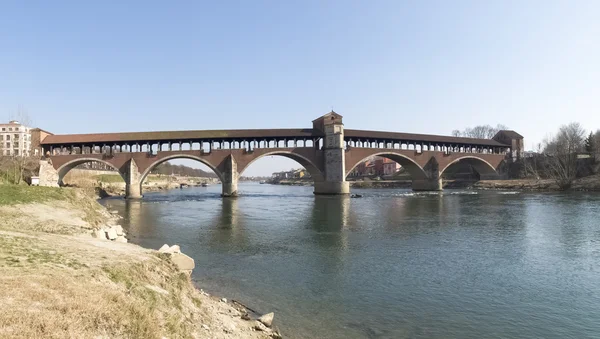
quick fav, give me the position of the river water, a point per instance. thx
(392, 264)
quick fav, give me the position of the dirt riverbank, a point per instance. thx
(57, 281)
(111, 184)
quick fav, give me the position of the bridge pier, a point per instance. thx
(132, 177)
(332, 188)
(133, 190)
(229, 181)
(334, 155)
(427, 184)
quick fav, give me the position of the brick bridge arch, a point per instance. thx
(426, 167)
(68, 166)
(164, 159)
(228, 165)
(482, 166)
(308, 160)
(416, 170)
(327, 150)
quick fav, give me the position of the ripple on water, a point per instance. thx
(457, 264)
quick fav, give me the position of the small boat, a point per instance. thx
(204, 184)
(262, 182)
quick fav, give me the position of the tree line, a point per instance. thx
(564, 156)
(181, 170)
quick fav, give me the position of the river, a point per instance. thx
(392, 264)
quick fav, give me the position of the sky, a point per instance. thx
(406, 66)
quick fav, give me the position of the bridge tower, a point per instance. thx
(334, 162)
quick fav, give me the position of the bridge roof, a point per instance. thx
(426, 138)
(184, 136)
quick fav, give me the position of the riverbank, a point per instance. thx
(58, 281)
(111, 184)
(589, 183)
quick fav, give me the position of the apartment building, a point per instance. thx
(15, 139)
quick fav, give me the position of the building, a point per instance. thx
(515, 140)
(390, 167)
(301, 174)
(376, 166)
(281, 175)
(293, 174)
(15, 139)
(37, 135)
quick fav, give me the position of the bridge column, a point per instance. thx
(230, 178)
(133, 184)
(334, 157)
(427, 184)
(432, 180)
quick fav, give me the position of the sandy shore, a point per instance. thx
(57, 281)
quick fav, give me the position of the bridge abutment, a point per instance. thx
(49, 176)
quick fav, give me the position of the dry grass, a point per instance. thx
(61, 286)
(53, 294)
(60, 304)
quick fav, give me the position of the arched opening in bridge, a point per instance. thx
(179, 171)
(378, 168)
(469, 168)
(282, 167)
(90, 173)
(386, 166)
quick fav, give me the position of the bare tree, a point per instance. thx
(561, 151)
(597, 143)
(479, 132)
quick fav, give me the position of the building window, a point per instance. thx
(8, 137)
(10, 128)
(16, 152)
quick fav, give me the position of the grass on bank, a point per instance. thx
(58, 287)
(52, 292)
(23, 194)
(109, 178)
(82, 200)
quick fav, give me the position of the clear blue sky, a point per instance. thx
(418, 66)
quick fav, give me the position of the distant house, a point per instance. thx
(390, 167)
(300, 174)
(375, 166)
(293, 174)
(280, 175)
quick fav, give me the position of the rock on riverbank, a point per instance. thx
(57, 280)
